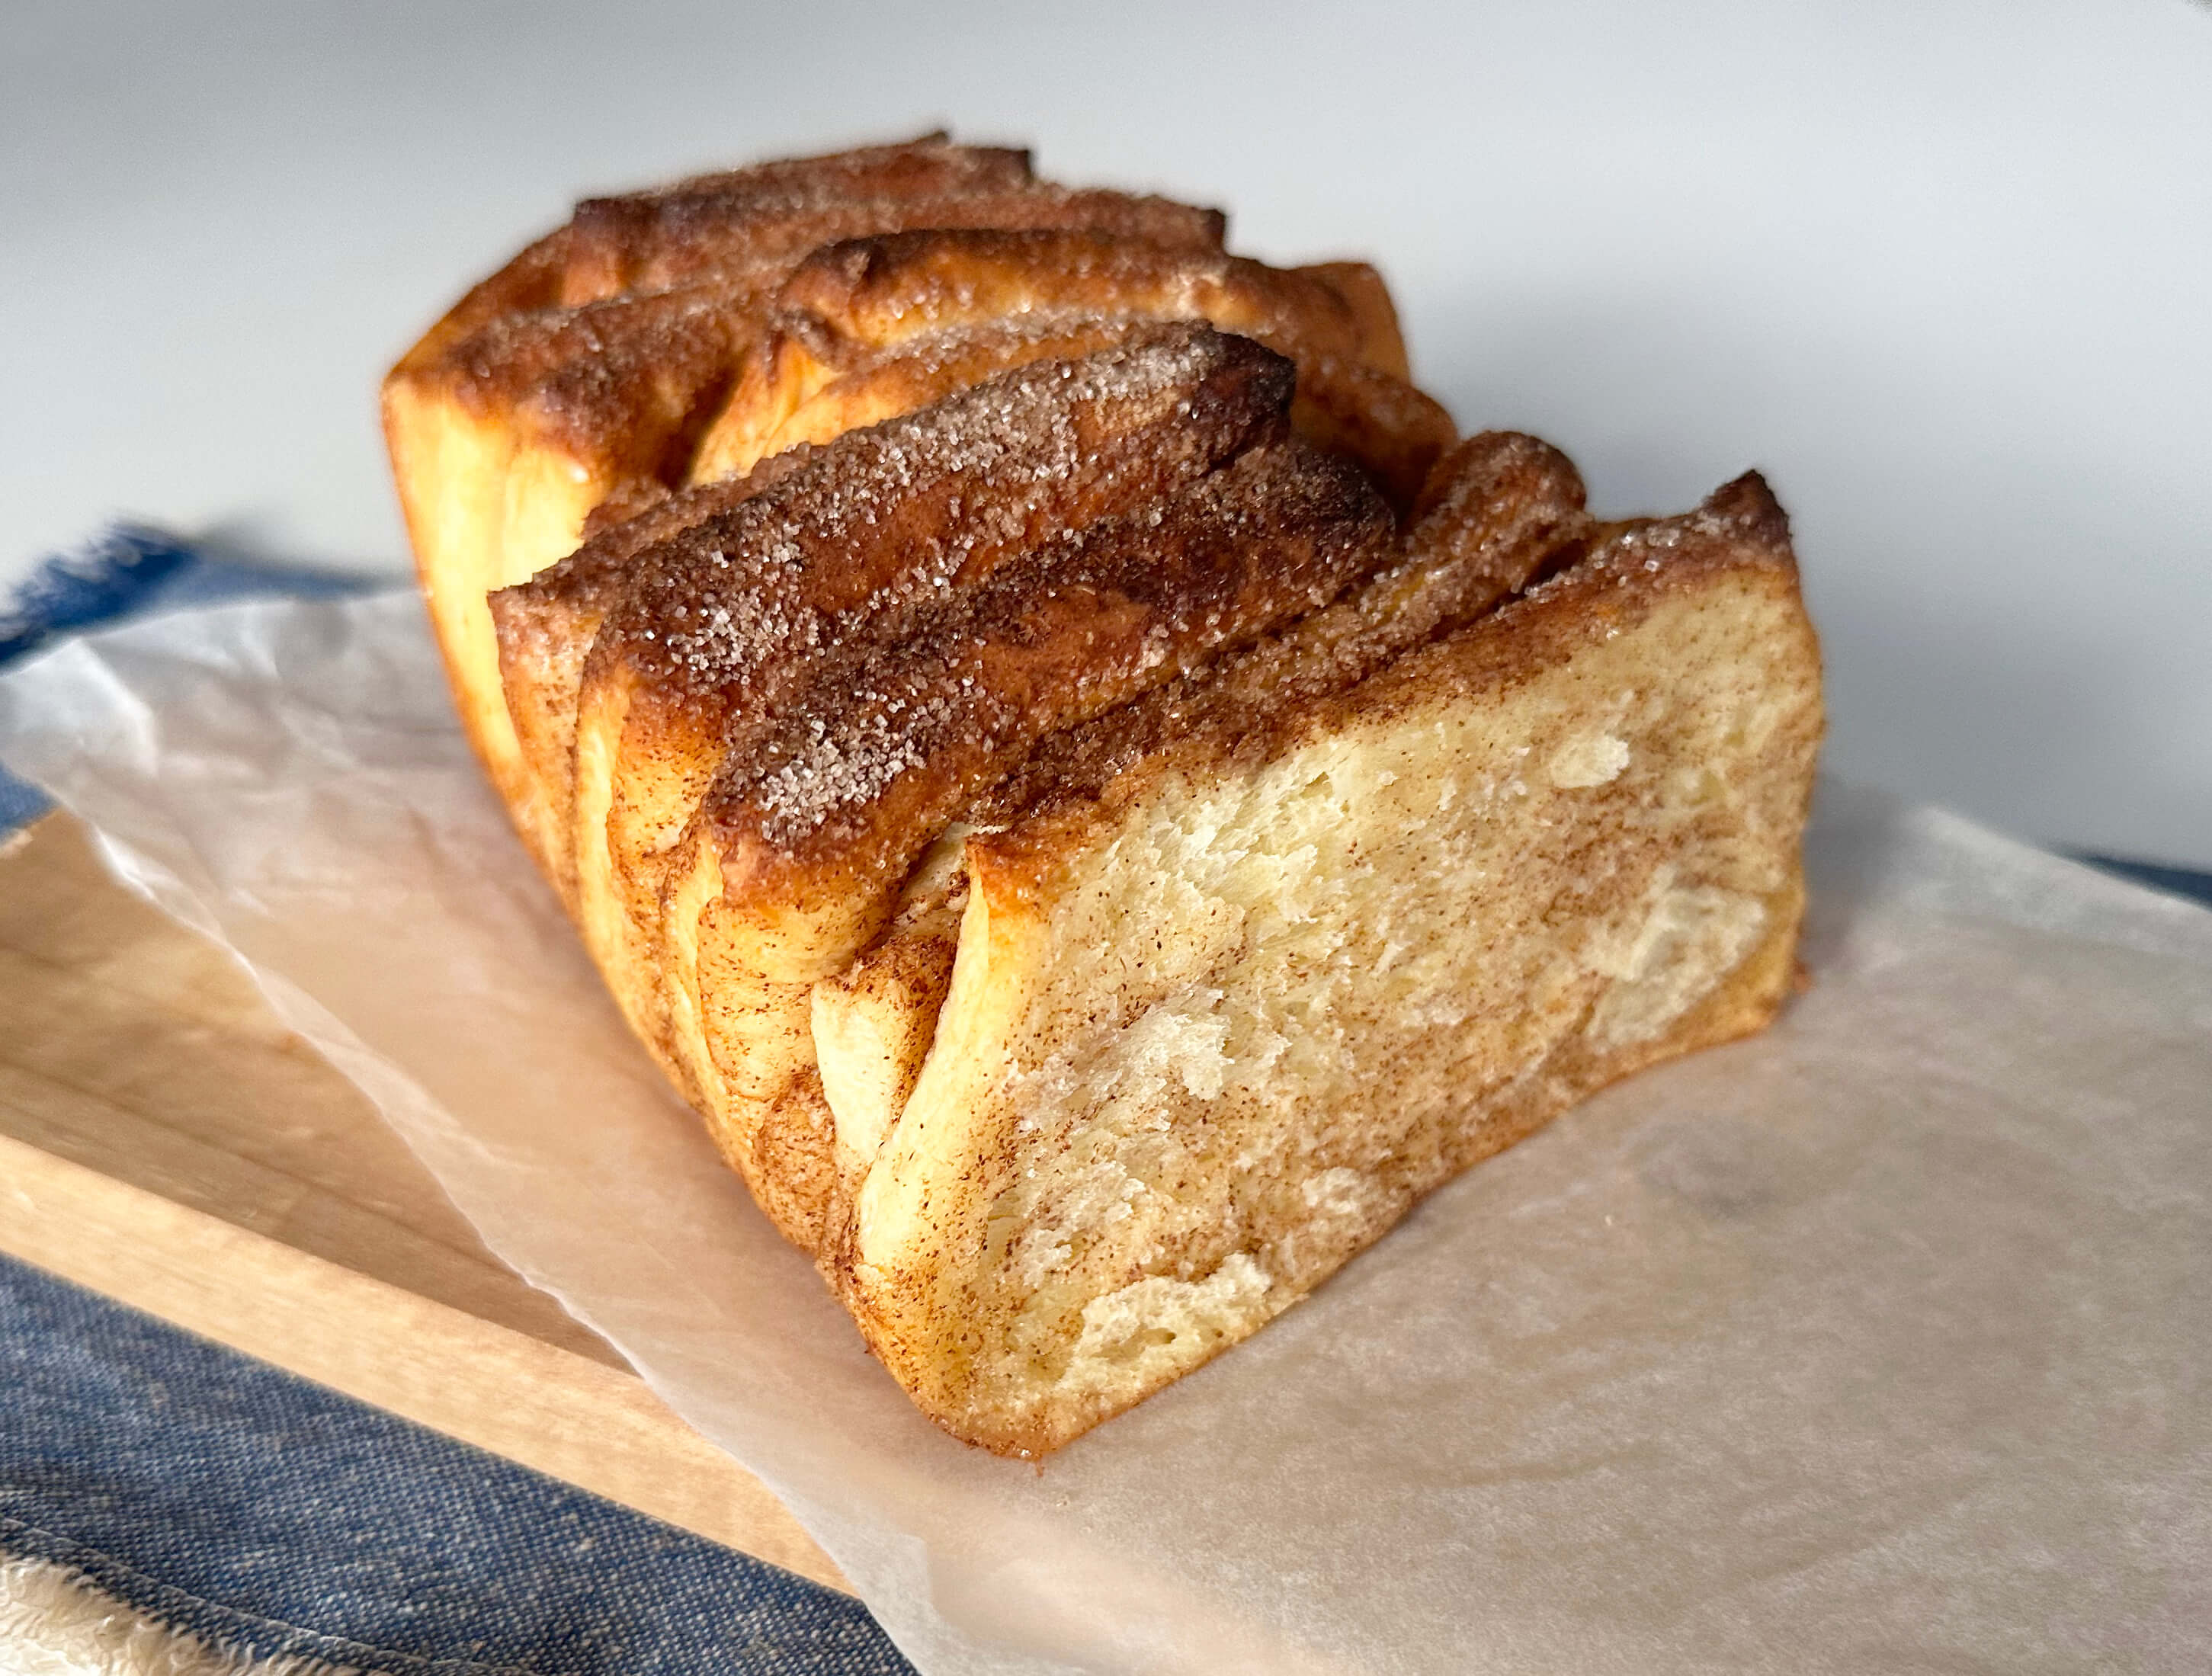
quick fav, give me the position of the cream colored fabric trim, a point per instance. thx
(55, 1622)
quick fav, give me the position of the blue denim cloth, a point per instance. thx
(227, 1498)
(222, 1497)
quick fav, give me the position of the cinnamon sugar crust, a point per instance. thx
(903, 510)
(617, 337)
(928, 163)
(546, 628)
(854, 315)
(594, 577)
(880, 289)
(1499, 510)
(867, 295)
(779, 212)
(720, 620)
(790, 397)
(627, 384)
(812, 378)
(888, 736)
(621, 242)
(621, 247)
(1382, 344)
(528, 283)
(1506, 569)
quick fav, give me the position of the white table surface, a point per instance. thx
(1943, 270)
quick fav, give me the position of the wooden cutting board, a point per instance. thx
(165, 1141)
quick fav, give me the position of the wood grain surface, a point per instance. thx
(165, 1141)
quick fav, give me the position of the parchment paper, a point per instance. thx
(1879, 1344)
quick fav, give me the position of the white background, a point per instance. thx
(1943, 270)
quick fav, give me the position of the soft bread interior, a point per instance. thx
(1519, 864)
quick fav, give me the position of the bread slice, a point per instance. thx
(874, 297)
(1095, 796)
(1216, 1019)
(720, 622)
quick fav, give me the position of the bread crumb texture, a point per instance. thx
(1248, 1018)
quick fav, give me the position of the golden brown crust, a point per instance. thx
(820, 815)
(896, 512)
(1382, 344)
(638, 366)
(531, 282)
(626, 384)
(1397, 432)
(788, 398)
(876, 291)
(872, 517)
(574, 386)
(792, 1157)
(617, 337)
(778, 213)
(629, 242)
(1400, 646)
(1500, 509)
(546, 628)
(851, 306)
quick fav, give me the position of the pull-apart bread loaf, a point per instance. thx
(1095, 792)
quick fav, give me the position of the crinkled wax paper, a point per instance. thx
(1879, 1344)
